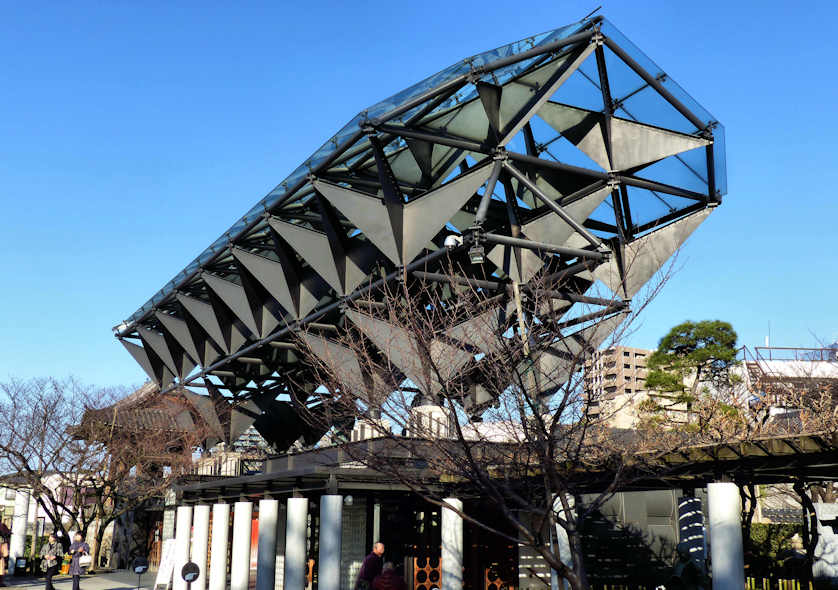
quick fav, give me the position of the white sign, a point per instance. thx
(167, 564)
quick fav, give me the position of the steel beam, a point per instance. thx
(593, 240)
(541, 246)
(654, 83)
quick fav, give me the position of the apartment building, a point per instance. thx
(615, 383)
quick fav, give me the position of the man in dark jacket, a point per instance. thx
(370, 568)
(389, 579)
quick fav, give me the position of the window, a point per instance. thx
(626, 366)
(626, 353)
(628, 390)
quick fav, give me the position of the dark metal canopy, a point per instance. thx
(574, 135)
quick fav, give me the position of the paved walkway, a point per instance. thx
(118, 580)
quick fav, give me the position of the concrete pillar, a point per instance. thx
(266, 547)
(376, 523)
(200, 542)
(328, 567)
(19, 522)
(183, 530)
(240, 560)
(296, 523)
(726, 553)
(452, 546)
(218, 555)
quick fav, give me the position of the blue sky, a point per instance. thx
(134, 134)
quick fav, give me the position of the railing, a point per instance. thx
(769, 584)
(226, 466)
(787, 353)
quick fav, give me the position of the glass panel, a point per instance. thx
(646, 105)
(687, 170)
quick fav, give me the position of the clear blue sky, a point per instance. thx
(132, 134)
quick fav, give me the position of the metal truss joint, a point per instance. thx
(499, 154)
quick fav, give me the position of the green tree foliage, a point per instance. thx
(699, 352)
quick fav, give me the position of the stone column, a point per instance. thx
(183, 530)
(218, 556)
(726, 552)
(200, 542)
(296, 523)
(19, 522)
(240, 560)
(266, 548)
(452, 546)
(328, 568)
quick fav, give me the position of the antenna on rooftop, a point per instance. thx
(591, 13)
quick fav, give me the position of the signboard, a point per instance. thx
(167, 564)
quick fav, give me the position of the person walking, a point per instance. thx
(51, 553)
(78, 549)
(371, 567)
(388, 579)
(5, 536)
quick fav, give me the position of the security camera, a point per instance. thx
(453, 240)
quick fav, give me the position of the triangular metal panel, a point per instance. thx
(204, 314)
(645, 256)
(308, 300)
(481, 331)
(315, 249)
(448, 360)
(405, 167)
(633, 144)
(239, 421)
(469, 122)
(344, 363)
(156, 342)
(394, 342)
(271, 275)
(139, 354)
(556, 364)
(552, 229)
(519, 263)
(425, 216)
(367, 213)
(180, 332)
(235, 298)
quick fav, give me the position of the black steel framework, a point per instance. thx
(506, 150)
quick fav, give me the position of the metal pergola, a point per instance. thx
(567, 156)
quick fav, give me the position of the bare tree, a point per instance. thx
(84, 470)
(480, 384)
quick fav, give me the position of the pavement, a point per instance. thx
(117, 580)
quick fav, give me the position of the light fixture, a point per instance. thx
(476, 254)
